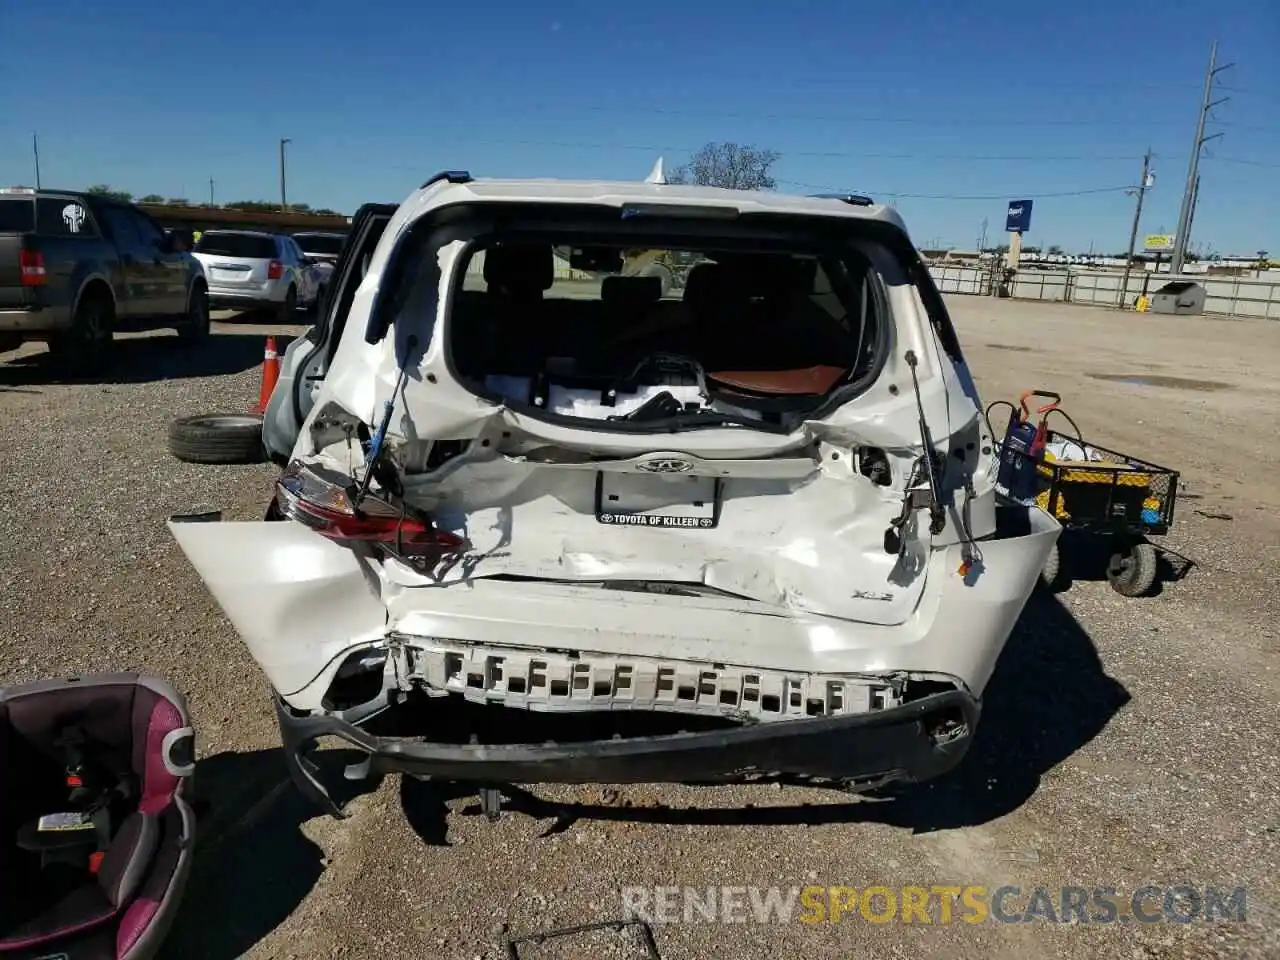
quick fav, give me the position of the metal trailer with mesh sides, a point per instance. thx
(1109, 495)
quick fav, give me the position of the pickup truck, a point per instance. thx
(76, 267)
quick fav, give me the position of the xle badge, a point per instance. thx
(639, 520)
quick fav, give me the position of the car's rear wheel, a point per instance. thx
(221, 438)
(194, 327)
(289, 307)
(86, 347)
(1051, 574)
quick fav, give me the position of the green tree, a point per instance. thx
(253, 206)
(104, 190)
(152, 198)
(733, 165)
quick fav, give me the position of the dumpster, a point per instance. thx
(1179, 296)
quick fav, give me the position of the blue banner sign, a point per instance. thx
(1018, 219)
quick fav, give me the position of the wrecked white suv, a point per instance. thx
(731, 523)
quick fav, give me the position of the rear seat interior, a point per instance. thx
(743, 314)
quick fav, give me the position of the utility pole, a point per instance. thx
(1191, 217)
(211, 192)
(35, 149)
(982, 238)
(284, 204)
(1184, 216)
(1143, 183)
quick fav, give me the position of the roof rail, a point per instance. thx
(854, 199)
(453, 176)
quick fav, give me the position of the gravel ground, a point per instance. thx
(1124, 741)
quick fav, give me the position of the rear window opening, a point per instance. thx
(17, 214)
(247, 245)
(675, 333)
(324, 246)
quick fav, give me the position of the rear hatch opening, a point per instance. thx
(603, 330)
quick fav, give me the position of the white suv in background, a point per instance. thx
(248, 270)
(324, 248)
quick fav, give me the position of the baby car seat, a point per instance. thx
(96, 829)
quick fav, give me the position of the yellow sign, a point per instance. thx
(1158, 241)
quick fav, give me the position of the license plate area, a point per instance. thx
(679, 501)
(233, 273)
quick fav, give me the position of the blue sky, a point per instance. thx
(911, 97)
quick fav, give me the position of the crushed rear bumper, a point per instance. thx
(909, 743)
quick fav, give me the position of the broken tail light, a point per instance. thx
(325, 501)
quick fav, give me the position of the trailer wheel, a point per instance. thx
(217, 438)
(1133, 574)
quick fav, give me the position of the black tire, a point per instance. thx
(221, 438)
(1133, 574)
(86, 347)
(289, 308)
(1051, 572)
(194, 327)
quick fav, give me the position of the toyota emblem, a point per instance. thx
(665, 465)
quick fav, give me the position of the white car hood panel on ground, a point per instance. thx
(295, 598)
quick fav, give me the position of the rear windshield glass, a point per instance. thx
(237, 245)
(325, 245)
(63, 217)
(17, 214)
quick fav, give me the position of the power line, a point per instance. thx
(1249, 92)
(840, 154)
(1072, 85)
(950, 120)
(1244, 126)
(1247, 163)
(1035, 194)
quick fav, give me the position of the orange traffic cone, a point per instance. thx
(270, 374)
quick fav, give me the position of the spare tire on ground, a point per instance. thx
(217, 438)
